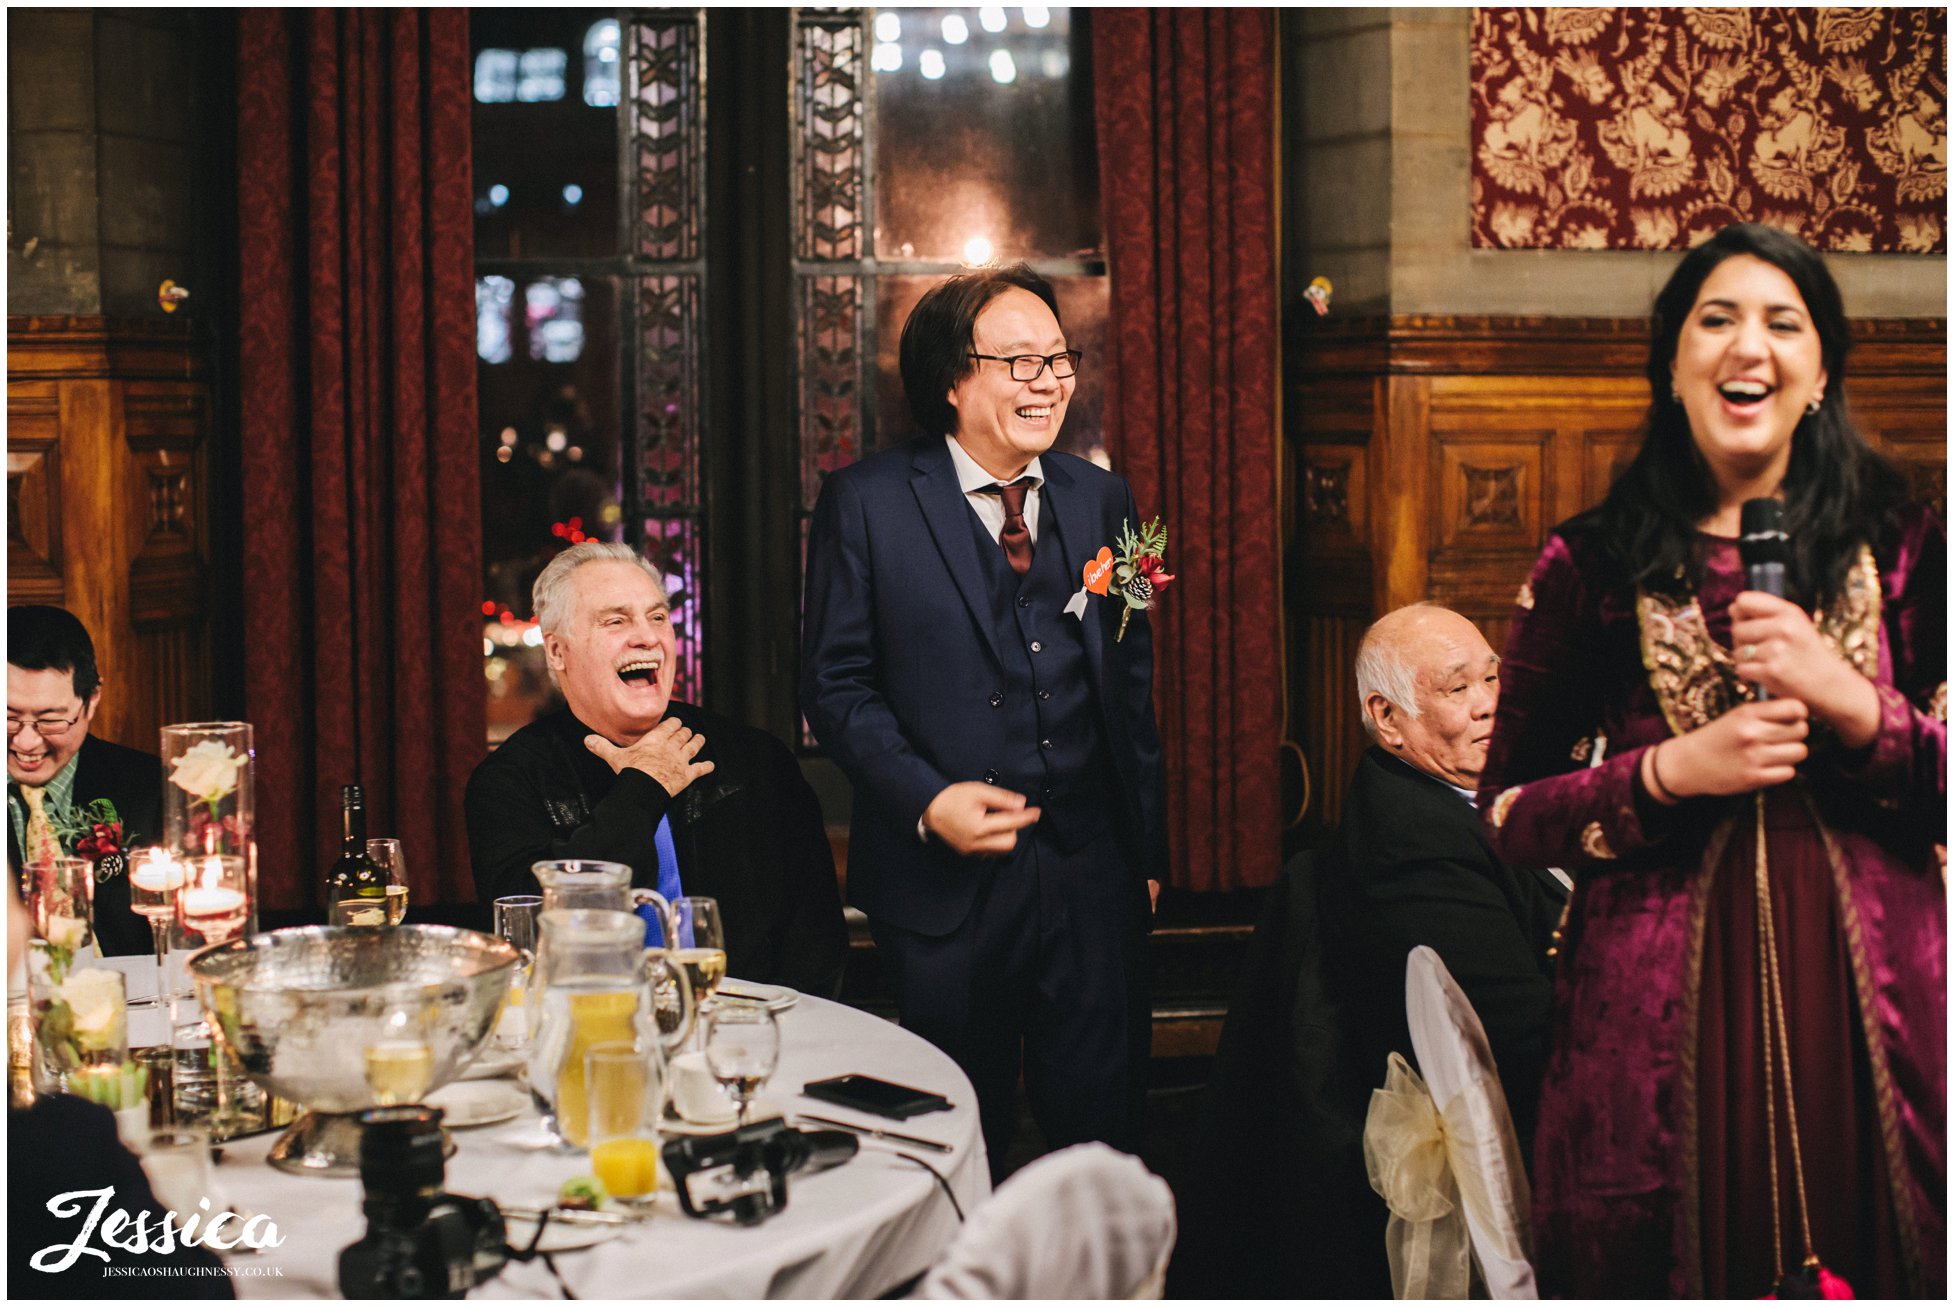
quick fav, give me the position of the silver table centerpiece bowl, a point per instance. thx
(301, 1008)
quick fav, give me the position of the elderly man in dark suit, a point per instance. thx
(1000, 738)
(693, 803)
(1323, 1004)
(56, 769)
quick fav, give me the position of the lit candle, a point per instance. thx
(214, 901)
(159, 873)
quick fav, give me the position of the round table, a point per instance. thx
(855, 1231)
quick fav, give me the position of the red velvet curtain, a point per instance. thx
(360, 530)
(1185, 104)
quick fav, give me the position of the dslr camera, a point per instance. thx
(744, 1172)
(420, 1242)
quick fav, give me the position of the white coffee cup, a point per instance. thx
(696, 1094)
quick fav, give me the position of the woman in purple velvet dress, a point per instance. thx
(1744, 864)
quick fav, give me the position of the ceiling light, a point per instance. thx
(955, 30)
(1003, 69)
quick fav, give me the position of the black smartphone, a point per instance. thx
(882, 1097)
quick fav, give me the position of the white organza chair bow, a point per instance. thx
(1085, 1222)
(1442, 1152)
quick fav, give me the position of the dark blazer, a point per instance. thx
(900, 663)
(1412, 865)
(133, 781)
(748, 834)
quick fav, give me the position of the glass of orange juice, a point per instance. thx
(623, 1119)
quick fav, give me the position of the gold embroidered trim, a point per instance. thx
(1502, 805)
(1582, 748)
(1910, 1220)
(1525, 598)
(1594, 843)
(1938, 704)
(1695, 678)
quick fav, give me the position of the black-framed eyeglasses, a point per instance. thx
(1029, 367)
(48, 728)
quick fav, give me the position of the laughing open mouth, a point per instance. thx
(1745, 393)
(1037, 414)
(640, 671)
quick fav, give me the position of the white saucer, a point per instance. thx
(777, 998)
(493, 1063)
(559, 1237)
(470, 1103)
(762, 1109)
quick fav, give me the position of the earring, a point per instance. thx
(1812, 408)
(1675, 396)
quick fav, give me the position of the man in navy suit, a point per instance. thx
(1008, 832)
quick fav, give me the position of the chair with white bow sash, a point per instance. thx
(1443, 1153)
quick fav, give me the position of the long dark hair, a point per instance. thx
(1837, 490)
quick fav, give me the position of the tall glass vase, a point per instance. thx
(209, 797)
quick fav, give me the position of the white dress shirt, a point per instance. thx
(980, 488)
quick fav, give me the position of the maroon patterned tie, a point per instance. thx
(1016, 537)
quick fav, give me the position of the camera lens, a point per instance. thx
(400, 1150)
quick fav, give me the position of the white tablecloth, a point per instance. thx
(852, 1232)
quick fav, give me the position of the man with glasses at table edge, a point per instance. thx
(55, 767)
(1002, 744)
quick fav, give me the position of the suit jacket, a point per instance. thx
(900, 662)
(133, 781)
(1413, 865)
(749, 834)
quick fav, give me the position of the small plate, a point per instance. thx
(493, 1064)
(762, 1109)
(470, 1103)
(560, 1237)
(777, 998)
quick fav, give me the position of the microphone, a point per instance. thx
(1765, 550)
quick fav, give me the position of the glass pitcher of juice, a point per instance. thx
(594, 984)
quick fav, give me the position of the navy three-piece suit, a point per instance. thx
(927, 661)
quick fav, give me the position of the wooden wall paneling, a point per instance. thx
(1480, 435)
(108, 475)
(34, 492)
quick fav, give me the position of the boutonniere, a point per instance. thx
(93, 831)
(1136, 574)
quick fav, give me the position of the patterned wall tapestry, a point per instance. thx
(1615, 129)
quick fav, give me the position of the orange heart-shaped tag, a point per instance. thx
(1099, 572)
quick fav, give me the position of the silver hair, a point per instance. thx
(550, 599)
(1381, 671)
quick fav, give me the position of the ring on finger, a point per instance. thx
(1747, 653)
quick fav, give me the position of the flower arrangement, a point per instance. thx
(207, 771)
(80, 1016)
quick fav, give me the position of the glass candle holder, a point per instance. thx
(209, 806)
(61, 898)
(80, 1017)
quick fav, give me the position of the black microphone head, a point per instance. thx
(1763, 538)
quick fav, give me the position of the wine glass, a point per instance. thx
(515, 921)
(700, 943)
(742, 1048)
(386, 855)
(154, 879)
(400, 1062)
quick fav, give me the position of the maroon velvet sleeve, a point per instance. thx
(1542, 806)
(1906, 766)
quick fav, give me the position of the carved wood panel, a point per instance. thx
(33, 493)
(108, 487)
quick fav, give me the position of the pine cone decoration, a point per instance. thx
(1140, 588)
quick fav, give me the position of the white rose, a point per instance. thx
(94, 999)
(68, 933)
(208, 770)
